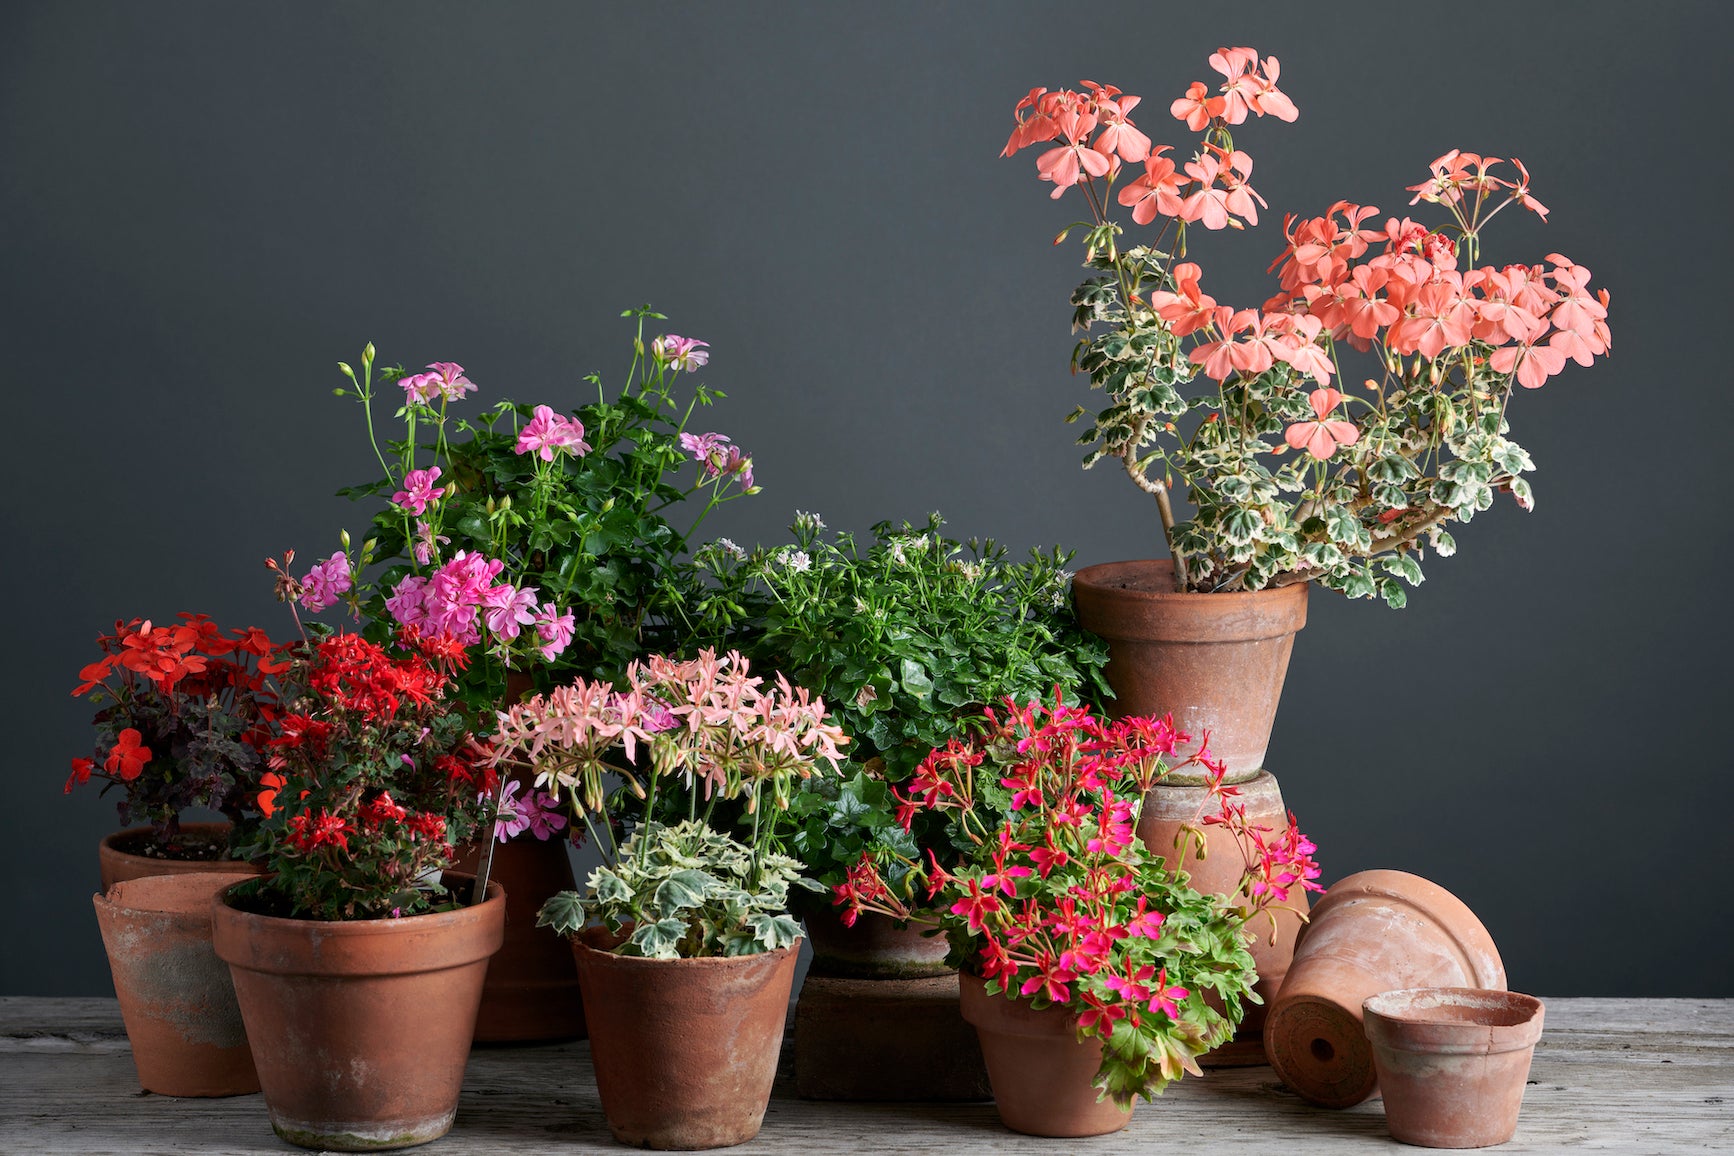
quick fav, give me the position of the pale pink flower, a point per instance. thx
(1323, 435)
(508, 609)
(547, 432)
(427, 543)
(681, 354)
(326, 583)
(513, 818)
(448, 380)
(554, 628)
(419, 388)
(419, 491)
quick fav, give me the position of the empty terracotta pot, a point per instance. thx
(1453, 1062)
(1167, 809)
(874, 948)
(117, 863)
(531, 993)
(685, 1049)
(175, 994)
(1042, 1076)
(361, 1029)
(1373, 932)
(1216, 662)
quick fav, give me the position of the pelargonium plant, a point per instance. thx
(373, 777)
(185, 708)
(905, 638)
(1295, 473)
(543, 537)
(1051, 897)
(694, 733)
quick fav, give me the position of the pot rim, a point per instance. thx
(586, 951)
(1401, 1021)
(496, 894)
(1460, 925)
(109, 900)
(1096, 578)
(205, 826)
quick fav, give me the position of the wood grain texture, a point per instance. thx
(1628, 1076)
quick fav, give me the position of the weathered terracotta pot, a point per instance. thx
(1452, 1062)
(875, 948)
(1167, 809)
(175, 995)
(1042, 1075)
(1373, 932)
(361, 1030)
(118, 866)
(685, 1049)
(531, 994)
(1216, 662)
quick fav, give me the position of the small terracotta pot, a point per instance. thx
(1042, 1075)
(685, 1049)
(1453, 1062)
(1373, 932)
(361, 1029)
(531, 994)
(1167, 809)
(118, 866)
(874, 948)
(175, 995)
(1216, 662)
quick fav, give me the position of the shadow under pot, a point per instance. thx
(685, 1050)
(361, 1029)
(175, 995)
(1453, 1062)
(1373, 932)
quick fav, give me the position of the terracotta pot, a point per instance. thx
(1166, 810)
(1216, 662)
(531, 993)
(175, 994)
(118, 866)
(685, 1049)
(875, 948)
(361, 1029)
(1042, 1076)
(1373, 932)
(1452, 1062)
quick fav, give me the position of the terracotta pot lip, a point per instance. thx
(1450, 914)
(362, 927)
(1100, 575)
(143, 904)
(1506, 1012)
(206, 827)
(586, 951)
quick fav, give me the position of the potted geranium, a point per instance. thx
(551, 539)
(905, 636)
(1092, 971)
(684, 941)
(183, 708)
(1330, 434)
(357, 959)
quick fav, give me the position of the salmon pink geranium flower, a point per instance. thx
(1321, 436)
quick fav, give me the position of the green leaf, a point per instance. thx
(915, 679)
(682, 890)
(564, 912)
(659, 940)
(773, 932)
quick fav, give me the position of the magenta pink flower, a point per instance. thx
(548, 432)
(554, 628)
(419, 491)
(427, 543)
(681, 354)
(326, 583)
(508, 609)
(1321, 436)
(717, 456)
(406, 601)
(419, 388)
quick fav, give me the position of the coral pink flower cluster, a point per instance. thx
(462, 596)
(1399, 288)
(1052, 896)
(707, 719)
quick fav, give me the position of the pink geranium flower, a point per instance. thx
(508, 609)
(554, 628)
(326, 583)
(681, 354)
(548, 432)
(448, 380)
(419, 491)
(1321, 436)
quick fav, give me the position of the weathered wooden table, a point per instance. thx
(1628, 1076)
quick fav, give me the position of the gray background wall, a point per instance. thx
(204, 207)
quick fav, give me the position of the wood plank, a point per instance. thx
(1635, 1076)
